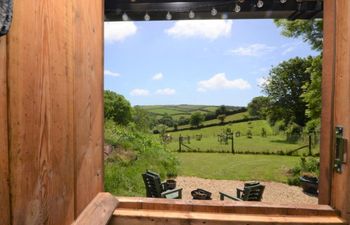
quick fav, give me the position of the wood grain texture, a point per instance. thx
(55, 83)
(4, 164)
(99, 211)
(341, 181)
(88, 100)
(327, 117)
(159, 217)
(214, 206)
(41, 112)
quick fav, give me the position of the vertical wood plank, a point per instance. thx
(327, 124)
(88, 100)
(41, 112)
(4, 164)
(341, 182)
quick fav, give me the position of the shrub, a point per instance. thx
(123, 177)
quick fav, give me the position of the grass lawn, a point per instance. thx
(236, 167)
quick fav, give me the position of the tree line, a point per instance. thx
(293, 88)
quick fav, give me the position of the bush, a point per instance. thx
(123, 177)
(309, 165)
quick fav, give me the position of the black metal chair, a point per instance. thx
(156, 189)
(249, 193)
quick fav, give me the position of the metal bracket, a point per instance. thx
(340, 149)
(5, 16)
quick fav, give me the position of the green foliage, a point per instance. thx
(309, 166)
(221, 117)
(258, 107)
(312, 94)
(117, 108)
(196, 119)
(310, 30)
(166, 120)
(222, 110)
(284, 89)
(123, 177)
(141, 118)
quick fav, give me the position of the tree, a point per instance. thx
(284, 89)
(141, 118)
(259, 106)
(117, 108)
(166, 120)
(221, 110)
(221, 117)
(312, 94)
(310, 30)
(196, 119)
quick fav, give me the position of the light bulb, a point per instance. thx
(213, 12)
(147, 17)
(168, 16)
(191, 15)
(283, 1)
(260, 4)
(125, 17)
(237, 8)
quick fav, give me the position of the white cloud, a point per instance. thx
(166, 91)
(262, 81)
(288, 50)
(110, 73)
(119, 31)
(207, 29)
(253, 50)
(219, 81)
(139, 92)
(290, 47)
(157, 76)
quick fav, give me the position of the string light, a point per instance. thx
(125, 17)
(237, 8)
(191, 14)
(168, 16)
(213, 12)
(147, 17)
(260, 4)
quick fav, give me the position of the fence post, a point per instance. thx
(310, 145)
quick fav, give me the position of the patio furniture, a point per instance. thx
(156, 189)
(201, 194)
(249, 193)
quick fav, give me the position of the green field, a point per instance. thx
(209, 142)
(233, 117)
(236, 167)
(176, 111)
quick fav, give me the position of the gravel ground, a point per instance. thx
(274, 192)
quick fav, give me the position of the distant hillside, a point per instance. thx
(176, 111)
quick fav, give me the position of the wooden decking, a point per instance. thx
(143, 211)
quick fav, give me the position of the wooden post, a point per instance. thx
(232, 144)
(180, 142)
(310, 145)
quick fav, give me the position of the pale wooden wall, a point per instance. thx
(54, 103)
(335, 187)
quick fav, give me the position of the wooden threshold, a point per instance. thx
(148, 211)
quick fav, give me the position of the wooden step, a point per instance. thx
(160, 217)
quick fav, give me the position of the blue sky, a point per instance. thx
(211, 62)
